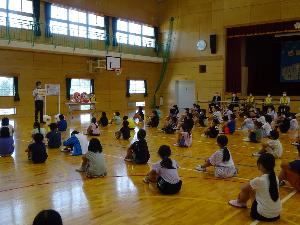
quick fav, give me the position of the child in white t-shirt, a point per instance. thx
(267, 204)
(38, 129)
(248, 123)
(266, 127)
(217, 114)
(165, 173)
(273, 146)
(221, 160)
(294, 123)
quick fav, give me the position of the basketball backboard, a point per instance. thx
(113, 63)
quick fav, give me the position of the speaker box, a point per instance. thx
(213, 43)
(202, 68)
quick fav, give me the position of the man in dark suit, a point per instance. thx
(215, 102)
(234, 101)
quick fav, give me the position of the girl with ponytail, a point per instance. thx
(37, 129)
(221, 160)
(164, 173)
(267, 204)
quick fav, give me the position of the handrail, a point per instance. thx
(24, 30)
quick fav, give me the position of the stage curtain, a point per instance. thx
(127, 88)
(114, 31)
(107, 35)
(233, 65)
(68, 88)
(146, 88)
(156, 35)
(47, 19)
(16, 89)
(93, 86)
(36, 16)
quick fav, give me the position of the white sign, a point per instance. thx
(52, 89)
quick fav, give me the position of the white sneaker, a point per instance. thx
(128, 160)
(176, 145)
(200, 168)
(295, 143)
(256, 154)
(246, 139)
(236, 203)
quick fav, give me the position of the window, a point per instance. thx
(137, 104)
(75, 23)
(8, 111)
(6, 86)
(81, 85)
(135, 34)
(18, 12)
(137, 87)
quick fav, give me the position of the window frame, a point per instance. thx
(13, 87)
(79, 24)
(142, 36)
(8, 11)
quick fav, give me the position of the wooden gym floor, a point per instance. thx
(122, 197)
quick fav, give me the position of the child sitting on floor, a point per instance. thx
(77, 144)
(217, 114)
(37, 129)
(62, 124)
(6, 142)
(103, 120)
(294, 123)
(5, 123)
(48, 216)
(266, 127)
(248, 123)
(165, 173)
(170, 126)
(221, 160)
(255, 135)
(267, 205)
(291, 172)
(54, 136)
(184, 138)
(124, 132)
(213, 130)
(37, 150)
(93, 162)
(273, 146)
(154, 119)
(138, 152)
(93, 129)
(116, 119)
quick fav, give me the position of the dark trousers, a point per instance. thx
(39, 108)
(283, 109)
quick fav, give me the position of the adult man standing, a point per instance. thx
(38, 102)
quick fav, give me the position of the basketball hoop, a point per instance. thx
(118, 71)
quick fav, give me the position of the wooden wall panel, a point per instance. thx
(52, 68)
